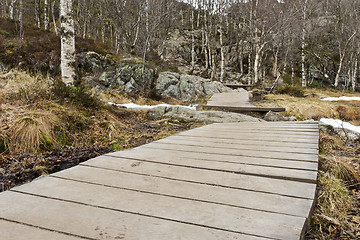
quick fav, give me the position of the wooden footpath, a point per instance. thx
(235, 101)
(221, 181)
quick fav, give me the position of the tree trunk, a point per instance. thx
(353, 79)
(12, 9)
(222, 54)
(337, 78)
(193, 54)
(67, 42)
(21, 13)
(53, 17)
(303, 72)
(46, 15)
(37, 13)
(3, 10)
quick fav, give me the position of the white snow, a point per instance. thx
(147, 107)
(343, 98)
(335, 123)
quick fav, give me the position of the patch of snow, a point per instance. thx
(148, 107)
(338, 124)
(343, 98)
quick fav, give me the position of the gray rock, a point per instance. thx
(130, 86)
(2, 68)
(199, 116)
(186, 87)
(277, 117)
(343, 132)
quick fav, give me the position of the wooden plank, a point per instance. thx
(198, 192)
(234, 152)
(242, 109)
(164, 155)
(17, 231)
(211, 215)
(266, 171)
(263, 130)
(246, 134)
(226, 143)
(99, 223)
(273, 138)
(292, 124)
(223, 179)
(246, 143)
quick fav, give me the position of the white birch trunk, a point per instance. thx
(353, 79)
(337, 78)
(193, 54)
(12, 9)
(21, 12)
(46, 15)
(53, 17)
(222, 54)
(3, 10)
(67, 42)
(303, 71)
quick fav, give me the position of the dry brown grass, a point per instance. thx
(17, 87)
(29, 131)
(341, 168)
(331, 143)
(331, 217)
(311, 107)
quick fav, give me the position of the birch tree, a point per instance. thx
(67, 42)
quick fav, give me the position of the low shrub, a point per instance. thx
(291, 90)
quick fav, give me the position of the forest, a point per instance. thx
(84, 78)
(304, 42)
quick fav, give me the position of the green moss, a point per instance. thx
(45, 143)
(61, 136)
(116, 147)
(3, 146)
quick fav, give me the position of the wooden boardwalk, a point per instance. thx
(221, 181)
(235, 101)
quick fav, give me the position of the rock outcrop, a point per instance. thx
(277, 117)
(186, 114)
(186, 87)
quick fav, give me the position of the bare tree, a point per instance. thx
(67, 42)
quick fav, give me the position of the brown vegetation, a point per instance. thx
(46, 127)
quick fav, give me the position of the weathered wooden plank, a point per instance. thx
(266, 171)
(235, 152)
(211, 215)
(98, 223)
(300, 125)
(274, 138)
(224, 179)
(17, 231)
(164, 155)
(247, 134)
(247, 142)
(188, 190)
(242, 109)
(226, 143)
(299, 132)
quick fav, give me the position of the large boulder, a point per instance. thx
(277, 117)
(127, 77)
(186, 87)
(178, 112)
